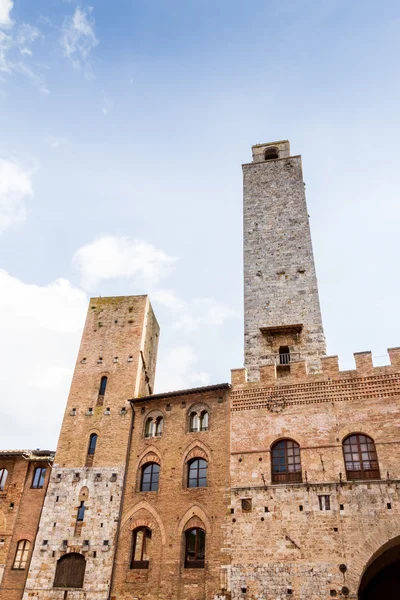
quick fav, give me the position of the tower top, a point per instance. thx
(271, 151)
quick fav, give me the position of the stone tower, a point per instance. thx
(80, 519)
(282, 317)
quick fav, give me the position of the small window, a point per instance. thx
(324, 502)
(149, 429)
(159, 426)
(92, 443)
(21, 556)
(141, 542)
(150, 477)
(197, 473)
(70, 571)
(271, 153)
(3, 478)
(195, 548)
(103, 385)
(39, 476)
(286, 462)
(284, 355)
(81, 512)
(194, 422)
(204, 421)
(360, 457)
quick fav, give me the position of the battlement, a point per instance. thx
(297, 371)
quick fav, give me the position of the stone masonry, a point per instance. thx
(281, 303)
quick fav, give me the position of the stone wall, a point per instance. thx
(280, 284)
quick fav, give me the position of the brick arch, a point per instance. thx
(195, 514)
(151, 454)
(356, 427)
(196, 449)
(198, 407)
(147, 507)
(380, 539)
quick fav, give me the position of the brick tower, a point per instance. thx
(282, 317)
(79, 524)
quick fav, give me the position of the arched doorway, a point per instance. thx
(381, 579)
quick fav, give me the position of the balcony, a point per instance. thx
(283, 359)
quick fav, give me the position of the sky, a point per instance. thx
(123, 127)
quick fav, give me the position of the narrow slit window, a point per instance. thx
(103, 385)
(3, 478)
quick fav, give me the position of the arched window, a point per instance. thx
(70, 571)
(284, 355)
(286, 462)
(195, 548)
(271, 153)
(3, 478)
(197, 473)
(360, 457)
(149, 428)
(204, 421)
(159, 426)
(81, 511)
(141, 543)
(194, 422)
(21, 555)
(103, 385)
(150, 477)
(91, 449)
(92, 443)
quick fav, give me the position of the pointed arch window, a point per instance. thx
(141, 544)
(360, 457)
(21, 555)
(197, 473)
(150, 477)
(286, 462)
(70, 571)
(3, 478)
(195, 548)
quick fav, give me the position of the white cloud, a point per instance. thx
(15, 189)
(110, 257)
(56, 142)
(204, 311)
(5, 13)
(169, 299)
(176, 370)
(40, 328)
(78, 37)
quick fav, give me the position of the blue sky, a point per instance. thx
(123, 129)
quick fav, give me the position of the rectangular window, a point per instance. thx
(21, 556)
(324, 502)
(38, 478)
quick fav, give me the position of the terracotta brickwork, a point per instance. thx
(287, 543)
(174, 508)
(120, 343)
(20, 509)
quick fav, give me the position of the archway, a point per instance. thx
(381, 579)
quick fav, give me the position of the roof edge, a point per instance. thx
(198, 390)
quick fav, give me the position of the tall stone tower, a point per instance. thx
(77, 535)
(282, 317)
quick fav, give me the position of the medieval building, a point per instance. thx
(283, 483)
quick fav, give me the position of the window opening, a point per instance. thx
(284, 355)
(324, 502)
(195, 548)
(197, 473)
(159, 426)
(141, 543)
(148, 432)
(204, 421)
(150, 477)
(103, 385)
(81, 511)
(360, 457)
(3, 478)
(39, 476)
(286, 462)
(21, 555)
(194, 422)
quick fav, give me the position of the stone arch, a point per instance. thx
(147, 507)
(196, 449)
(151, 454)
(194, 514)
(381, 538)
(83, 494)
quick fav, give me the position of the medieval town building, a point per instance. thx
(283, 483)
